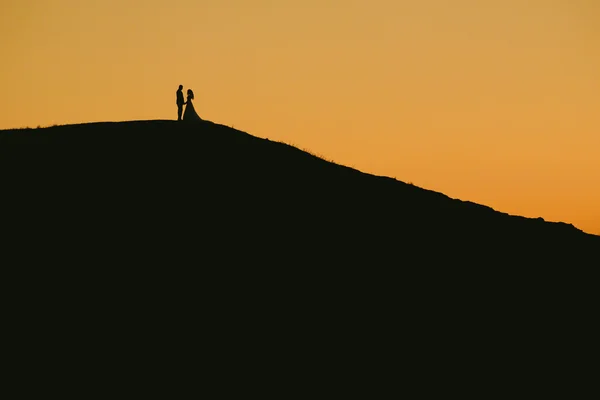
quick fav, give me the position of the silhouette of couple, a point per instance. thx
(190, 113)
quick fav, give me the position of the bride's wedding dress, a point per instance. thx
(190, 113)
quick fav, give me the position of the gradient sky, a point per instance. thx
(492, 101)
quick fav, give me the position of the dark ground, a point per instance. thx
(200, 229)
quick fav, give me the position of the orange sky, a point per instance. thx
(495, 101)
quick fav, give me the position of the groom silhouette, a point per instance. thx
(180, 102)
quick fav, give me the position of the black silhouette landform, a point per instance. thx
(268, 247)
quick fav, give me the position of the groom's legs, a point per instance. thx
(179, 112)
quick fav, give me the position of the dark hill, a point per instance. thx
(175, 222)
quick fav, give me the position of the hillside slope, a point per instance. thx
(160, 232)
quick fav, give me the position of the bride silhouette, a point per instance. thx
(190, 113)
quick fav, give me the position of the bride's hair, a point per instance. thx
(190, 94)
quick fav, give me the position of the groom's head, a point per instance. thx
(180, 87)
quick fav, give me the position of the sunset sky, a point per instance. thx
(492, 101)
